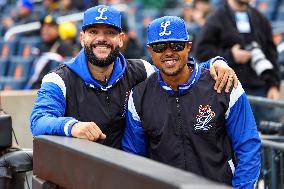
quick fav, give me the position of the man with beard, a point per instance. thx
(168, 121)
(87, 96)
(243, 36)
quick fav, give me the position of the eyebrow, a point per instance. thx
(105, 26)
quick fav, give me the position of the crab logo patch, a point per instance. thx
(203, 118)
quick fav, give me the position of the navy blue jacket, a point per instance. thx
(195, 128)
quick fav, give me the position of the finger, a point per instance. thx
(223, 82)
(102, 136)
(94, 133)
(238, 46)
(213, 73)
(89, 136)
(98, 130)
(219, 80)
(229, 84)
(94, 126)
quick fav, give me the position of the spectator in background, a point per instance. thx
(51, 7)
(67, 7)
(242, 35)
(68, 34)
(195, 13)
(131, 48)
(85, 4)
(51, 41)
(21, 15)
(2, 4)
(187, 14)
(52, 50)
(201, 9)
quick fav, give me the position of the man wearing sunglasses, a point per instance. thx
(175, 117)
(87, 96)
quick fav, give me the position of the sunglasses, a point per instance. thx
(161, 47)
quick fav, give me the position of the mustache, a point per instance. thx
(169, 57)
(102, 43)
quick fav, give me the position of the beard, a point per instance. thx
(173, 72)
(243, 2)
(94, 60)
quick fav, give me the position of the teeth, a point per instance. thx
(101, 47)
(170, 62)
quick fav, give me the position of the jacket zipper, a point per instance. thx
(108, 130)
(179, 125)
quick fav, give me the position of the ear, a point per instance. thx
(82, 38)
(122, 37)
(150, 50)
(189, 45)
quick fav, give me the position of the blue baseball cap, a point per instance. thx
(26, 3)
(167, 28)
(102, 14)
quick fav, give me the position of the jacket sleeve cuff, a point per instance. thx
(68, 126)
(213, 60)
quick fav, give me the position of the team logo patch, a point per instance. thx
(164, 25)
(203, 118)
(101, 11)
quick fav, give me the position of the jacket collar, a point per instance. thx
(182, 88)
(80, 67)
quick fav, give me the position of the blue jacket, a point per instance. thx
(195, 128)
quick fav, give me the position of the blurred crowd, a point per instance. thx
(57, 41)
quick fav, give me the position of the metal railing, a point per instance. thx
(265, 101)
(272, 171)
(36, 25)
(272, 151)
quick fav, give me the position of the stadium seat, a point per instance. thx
(18, 73)
(3, 66)
(2, 31)
(7, 48)
(9, 83)
(19, 67)
(28, 46)
(280, 13)
(267, 7)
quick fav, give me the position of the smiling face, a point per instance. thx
(101, 44)
(49, 32)
(170, 62)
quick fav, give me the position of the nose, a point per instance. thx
(168, 50)
(100, 37)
